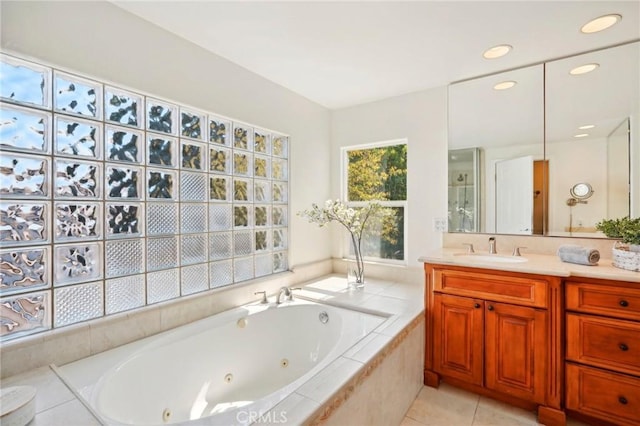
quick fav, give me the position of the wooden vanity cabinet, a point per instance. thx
(603, 350)
(496, 333)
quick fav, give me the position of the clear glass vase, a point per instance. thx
(355, 281)
(355, 272)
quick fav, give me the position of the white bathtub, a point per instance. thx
(226, 369)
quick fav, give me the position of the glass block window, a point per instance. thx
(111, 200)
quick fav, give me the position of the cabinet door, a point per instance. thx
(458, 335)
(516, 350)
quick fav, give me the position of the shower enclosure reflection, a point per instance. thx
(464, 190)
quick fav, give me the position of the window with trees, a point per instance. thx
(378, 172)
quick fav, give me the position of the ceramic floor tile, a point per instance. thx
(444, 406)
(408, 421)
(449, 406)
(50, 389)
(495, 413)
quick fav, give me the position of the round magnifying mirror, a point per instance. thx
(581, 191)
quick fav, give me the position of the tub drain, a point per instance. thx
(166, 415)
(323, 317)
(284, 363)
(228, 378)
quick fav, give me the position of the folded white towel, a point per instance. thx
(578, 254)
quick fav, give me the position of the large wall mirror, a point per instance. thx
(591, 128)
(500, 117)
(544, 139)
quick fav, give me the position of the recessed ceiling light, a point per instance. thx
(504, 85)
(581, 135)
(583, 69)
(496, 51)
(587, 126)
(601, 23)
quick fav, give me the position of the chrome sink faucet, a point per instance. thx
(492, 245)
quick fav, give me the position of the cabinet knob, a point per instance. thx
(623, 347)
(476, 305)
(490, 307)
(622, 400)
(624, 303)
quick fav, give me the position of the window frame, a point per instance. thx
(344, 193)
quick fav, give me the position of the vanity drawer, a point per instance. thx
(512, 288)
(603, 395)
(610, 300)
(604, 342)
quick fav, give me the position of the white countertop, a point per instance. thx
(543, 264)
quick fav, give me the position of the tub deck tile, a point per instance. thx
(50, 390)
(71, 413)
(293, 410)
(367, 348)
(328, 381)
(392, 305)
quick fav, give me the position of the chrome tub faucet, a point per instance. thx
(288, 292)
(492, 245)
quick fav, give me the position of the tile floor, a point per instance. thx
(449, 406)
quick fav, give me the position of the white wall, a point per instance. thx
(573, 162)
(635, 164)
(421, 118)
(102, 40)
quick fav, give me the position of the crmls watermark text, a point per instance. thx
(273, 417)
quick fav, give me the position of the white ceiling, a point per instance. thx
(340, 54)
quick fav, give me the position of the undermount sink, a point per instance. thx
(477, 257)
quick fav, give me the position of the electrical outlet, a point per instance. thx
(440, 224)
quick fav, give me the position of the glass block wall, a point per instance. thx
(112, 200)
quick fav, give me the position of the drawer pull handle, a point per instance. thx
(476, 305)
(623, 347)
(624, 303)
(490, 307)
(622, 400)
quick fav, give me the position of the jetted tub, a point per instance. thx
(226, 369)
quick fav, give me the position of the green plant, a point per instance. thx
(626, 229)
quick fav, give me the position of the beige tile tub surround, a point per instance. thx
(384, 388)
(66, 344)
(385, 368)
